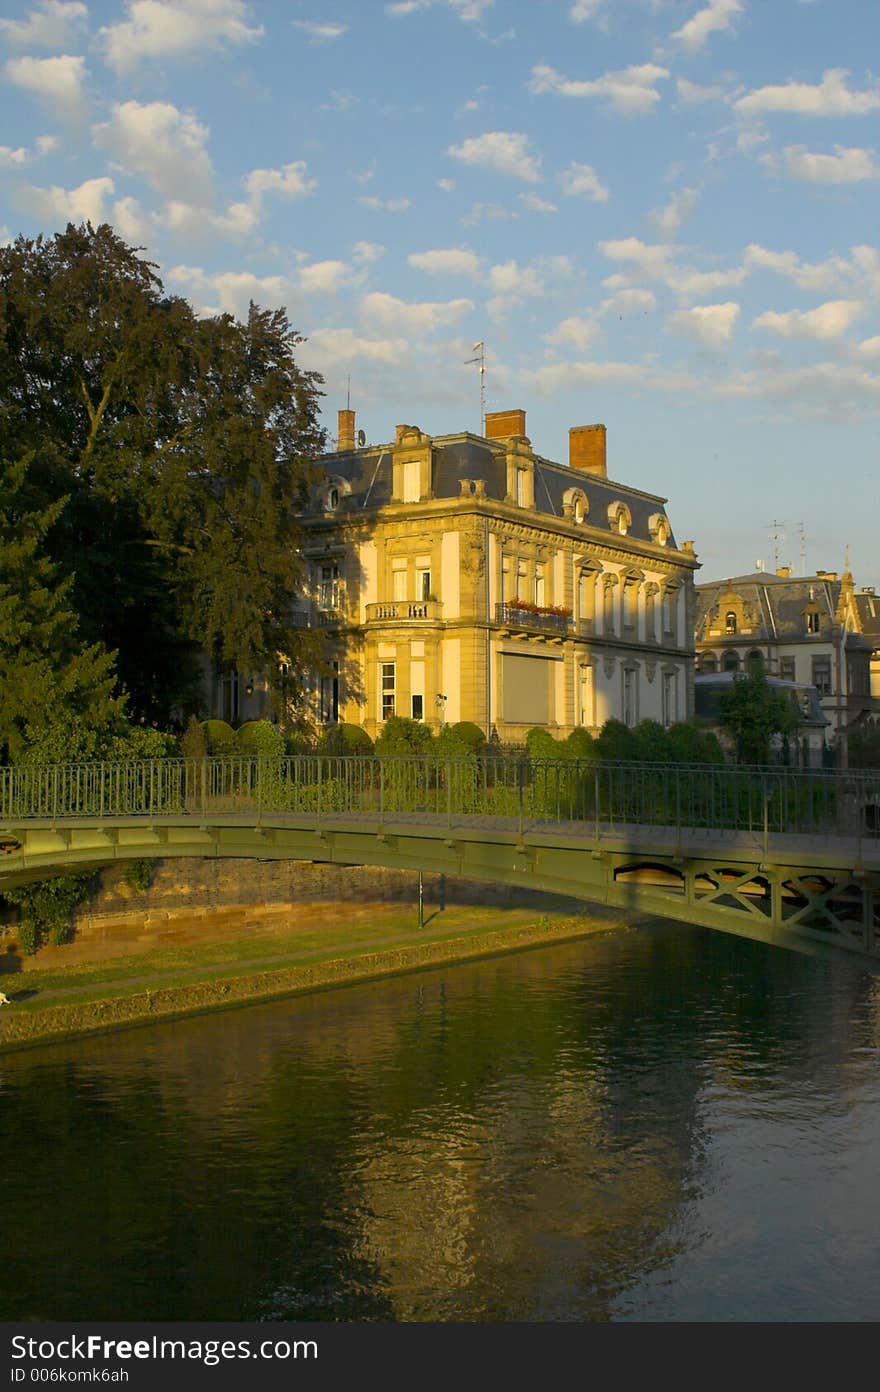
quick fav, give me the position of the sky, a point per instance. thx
(662, 215)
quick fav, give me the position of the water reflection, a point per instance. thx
(669, 1124)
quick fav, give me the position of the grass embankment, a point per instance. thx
(120, 991)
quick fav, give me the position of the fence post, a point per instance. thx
(520, 777)
(448, 806)
(597, 795)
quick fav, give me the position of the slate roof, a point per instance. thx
(368, 472)
(777, 603)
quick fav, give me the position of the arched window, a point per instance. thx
(708, 662)
(619, 517)
(755, 661)
(731, 662)
(730, 622)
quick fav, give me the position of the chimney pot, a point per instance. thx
(586, 449)
(501, 424)
(345, 433)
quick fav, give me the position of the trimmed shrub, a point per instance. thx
(541, 744)
(219, 737)
(580, 745)
(403, 737)
(261, 739)
(341, 741)
(652, 742)
(617, 741)
(470, 735)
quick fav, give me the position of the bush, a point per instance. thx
(46, 908)
(219, 737)
(193, 744)
(580, 745)
(690, 745)
(652, 743)
(541, 744)
(261, 739)
(139, 874)
(469, 734)
(401, 736)
(341, 741)
(617, 741)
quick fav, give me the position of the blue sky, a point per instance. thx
(659, 214)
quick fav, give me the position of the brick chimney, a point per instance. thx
(586, 449)
(502, 424)
(345, 432)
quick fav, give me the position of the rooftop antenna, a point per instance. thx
(348, 393)
(802, 533)
(480, 350)
(776, 536)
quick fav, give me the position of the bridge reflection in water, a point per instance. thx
(781, 855)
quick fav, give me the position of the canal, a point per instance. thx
(665, 1124)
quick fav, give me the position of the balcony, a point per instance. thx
(518, 619)
(405, 611)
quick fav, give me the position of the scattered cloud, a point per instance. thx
(807, 275)
(582, 10)
(632, 91)
(692, 93)
(57, 81)
(628, 300)
(290, 181)
(162, 29)
(829, 320)
(712, 325)
(667, 220)
(165, 145)
(367, 253)
(324, 277)
(845, 166)
(328, 348)
(533, 203)
(452, 261)
(487, 212)
(388, 312)
(58, 206)
(13, 159)
(471, 11)
(830, 97)
(385, 205)
(446, 185)
(870, 347)
(506, 152)
(718, 17)
(320, 33)
(581, 180)
(573, 332)
(52, 24)
(510, 284)
(230, 292)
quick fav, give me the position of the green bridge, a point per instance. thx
(781, 855)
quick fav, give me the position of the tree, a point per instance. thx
(58, 697)
(184, 447)
(752, 713)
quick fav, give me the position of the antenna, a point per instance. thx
(480, 350)
(802, 533)
(776, 536)
(348, 393)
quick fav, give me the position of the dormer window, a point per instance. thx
(811, 617)
(730, 622)
(659, 529)
(619, 517)
(333, 500)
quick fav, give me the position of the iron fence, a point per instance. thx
(603, 794)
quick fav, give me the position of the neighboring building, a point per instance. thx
(467, 578)
(868, 613)
(807, 747)
(801, 629)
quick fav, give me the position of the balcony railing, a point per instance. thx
(512, 616)
(405, 611)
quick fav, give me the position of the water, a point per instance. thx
(662, 1125)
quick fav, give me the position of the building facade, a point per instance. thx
(805, 630)
(465, 577)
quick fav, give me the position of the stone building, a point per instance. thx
(462, 577)
(805, 630)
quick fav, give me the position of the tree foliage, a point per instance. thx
(752, 713)
(183, 445)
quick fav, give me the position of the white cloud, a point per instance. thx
(581, 180)
(692, 93)
(195, 222)
(511, 284)
(546, 381)
(13, 159)
(46, 144)
(446, 185)
(53, 24)
(687, 282)
(366, 253)
(504, 151)
(230, 292)
(471, 11)
(716, 18)
(57, 81)
(290, 181)
(388, 312)
(712, 325)
(582, 10)
(650, 258)
(131, 222)
(386, 205)
(573, 332)
(845, 166)
(807, 275)
(822, 389)
(633, 90)
(534, 204)
(870, 347)
(668, 219)
(829, 320)
(324, 277)
(320, 33)
(405, 7)
(451, 261)
(165, 145)
(59, 206)
(831, 97)
(328, 348)
(487, 212)
(173, 29)
(628, 300)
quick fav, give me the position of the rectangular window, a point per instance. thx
(398, 581)
(328, 587)
(521, 487)
(669, 612)
(630, 593)
(423, 584)
(812, 620)
(388, 689)
(669, 698)
(629, 697)
(787, 669)
(539, 585)
(586, 713)
(822, 675)
(329, 697)
(418, 707)
(411, 492)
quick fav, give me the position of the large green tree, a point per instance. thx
(752, 713)
(183, 445)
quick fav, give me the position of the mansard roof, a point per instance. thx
(776, 605)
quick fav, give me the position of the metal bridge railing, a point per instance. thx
(605, 794)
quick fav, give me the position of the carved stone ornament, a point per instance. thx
(609, 664)
(650, 670)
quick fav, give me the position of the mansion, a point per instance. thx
(465, 577)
